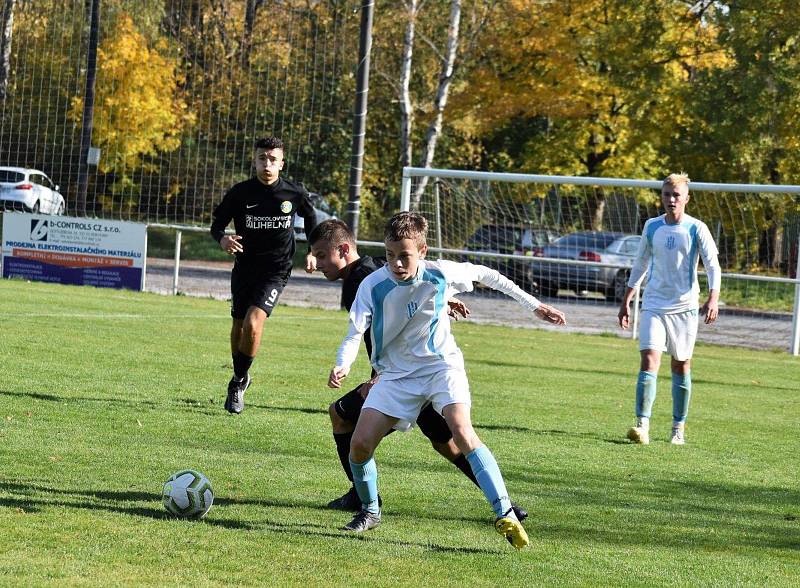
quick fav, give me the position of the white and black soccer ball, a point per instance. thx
(188, 494)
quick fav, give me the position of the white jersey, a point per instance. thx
(668, 255)
(410, 328)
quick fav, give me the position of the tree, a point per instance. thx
(594, 80)
(6, 31)
(139, 107)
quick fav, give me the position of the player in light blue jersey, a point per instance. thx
(668, 254)
(404, 304)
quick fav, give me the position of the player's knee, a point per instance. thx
(465, 438)
(338, 424)
(360, 449)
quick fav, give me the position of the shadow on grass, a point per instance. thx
(550, 433)
(301, 409)
(109, 501)
(631, 374)
(208, 407)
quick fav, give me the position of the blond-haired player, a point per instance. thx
(668, 254)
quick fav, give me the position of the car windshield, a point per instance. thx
(8, 176)
(587, 240)
(495, 235)
(538, 238)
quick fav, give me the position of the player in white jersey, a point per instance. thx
(668, 254)
(404, 306)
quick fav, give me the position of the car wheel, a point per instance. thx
(620, 285)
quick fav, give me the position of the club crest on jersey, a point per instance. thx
(670, 243)
(412, 308)
(286, 207)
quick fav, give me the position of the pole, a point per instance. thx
(177, 267)
(360, 115)
(438, 217)
(795, 350)
(405, 191)
(87, 124)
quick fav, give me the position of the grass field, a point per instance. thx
(103, 394)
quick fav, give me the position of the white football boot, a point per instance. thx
(677, 434)
(640, 433)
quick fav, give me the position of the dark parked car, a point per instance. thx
(510, 240)
(595, 246)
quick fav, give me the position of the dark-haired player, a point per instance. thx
(262, 210)
(334, 248)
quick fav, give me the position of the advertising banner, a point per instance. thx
(67, 250)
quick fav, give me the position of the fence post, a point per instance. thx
(438, 218)
(795, 349)
(405, 191)
(176, 269)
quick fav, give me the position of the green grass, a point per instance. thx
(103, 394)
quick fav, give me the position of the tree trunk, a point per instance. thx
(246, 43)
(406, 106)
(445, 79)
(5, 46)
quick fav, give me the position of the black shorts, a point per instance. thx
(253, 287)
(430, 422)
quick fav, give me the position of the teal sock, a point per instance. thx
(681, 393)
(645, 393)
(365, 479)
(487, 472)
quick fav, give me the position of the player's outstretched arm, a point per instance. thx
(550, 314)
(456, 307)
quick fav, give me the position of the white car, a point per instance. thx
(29, 190)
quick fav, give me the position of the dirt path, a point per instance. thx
(211, 279)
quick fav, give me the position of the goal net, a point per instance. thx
(571, 241)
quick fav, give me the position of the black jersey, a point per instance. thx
(264, 217)
(362, 267)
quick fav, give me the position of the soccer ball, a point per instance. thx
(188, 494)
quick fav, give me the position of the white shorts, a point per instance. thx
(674, 333)
(404, 398)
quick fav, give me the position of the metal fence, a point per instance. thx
(180, 91)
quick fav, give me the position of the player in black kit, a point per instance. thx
(334, 248)
(262, 209)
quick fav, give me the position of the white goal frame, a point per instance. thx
(409, 173)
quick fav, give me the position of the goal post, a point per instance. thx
(507, 221)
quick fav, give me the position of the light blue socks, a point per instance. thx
(487, 472)
(365, 479)
(645, 393)
(681, 393)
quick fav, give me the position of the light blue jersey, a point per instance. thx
(410, 328)
(668, 255)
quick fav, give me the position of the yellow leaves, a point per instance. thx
(139, 110)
